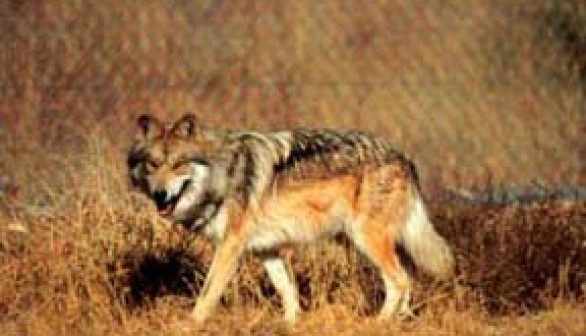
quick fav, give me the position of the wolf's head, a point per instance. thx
(173, 164)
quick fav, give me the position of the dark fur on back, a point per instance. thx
(319, 153)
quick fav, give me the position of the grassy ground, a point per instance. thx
(94, 267)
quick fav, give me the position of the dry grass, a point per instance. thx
(475, 91)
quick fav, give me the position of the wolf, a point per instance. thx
(261, 192)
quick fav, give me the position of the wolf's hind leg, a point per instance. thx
(284, 283)
(380, 250)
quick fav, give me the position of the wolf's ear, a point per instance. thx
(186, 126)
(150, 127)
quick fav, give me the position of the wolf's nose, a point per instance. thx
(160, 197)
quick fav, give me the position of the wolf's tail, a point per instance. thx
(424, 245)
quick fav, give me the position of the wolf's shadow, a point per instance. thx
(141, 277)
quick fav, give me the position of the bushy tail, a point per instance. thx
(424, 245)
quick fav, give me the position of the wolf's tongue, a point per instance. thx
(166, 211)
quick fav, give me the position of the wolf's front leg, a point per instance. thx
(223, 266)
(284, 283)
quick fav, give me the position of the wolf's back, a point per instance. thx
(319, 153)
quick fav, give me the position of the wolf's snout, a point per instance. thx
(160, 198)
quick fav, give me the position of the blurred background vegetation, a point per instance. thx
(476, 91)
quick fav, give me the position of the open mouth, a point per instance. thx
(167, 207)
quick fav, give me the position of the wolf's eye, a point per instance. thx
(178, 165)
(151, 165)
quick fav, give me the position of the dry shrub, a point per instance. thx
(518, 257)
